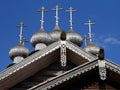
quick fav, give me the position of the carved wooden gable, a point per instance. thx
(59, 65)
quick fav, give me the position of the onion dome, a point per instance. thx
(18, 50)
(74, 38)
(55, 35)
(40, 37)
(71, 35)
(92, 48)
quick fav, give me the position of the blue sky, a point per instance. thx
(105, 14)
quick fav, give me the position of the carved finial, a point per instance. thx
(71, 10)
(89, 23)
(57, 8)
(63, 35)
(42, 10)
(21, 25)
(101, 54)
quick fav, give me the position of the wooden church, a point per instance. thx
(59, 62)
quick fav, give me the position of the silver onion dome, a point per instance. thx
(55, 35)
(18, 50)
(92, 48)
(74, 37)
(40, 37)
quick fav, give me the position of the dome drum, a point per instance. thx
(18, 59)
(40, 46)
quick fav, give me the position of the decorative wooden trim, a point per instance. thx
(31, 59)
(77, 71)
(102, 69)
(63, 59)
(112, 66)
(66, 76)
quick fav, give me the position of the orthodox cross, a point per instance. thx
(21, 25)
(89, 23)
(71, 10)
(57, 8)
(42, 10)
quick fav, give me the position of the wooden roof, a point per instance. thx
(42, 59)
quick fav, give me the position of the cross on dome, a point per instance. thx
(89, 23)
(42, 10)
(71, 10)
(57, 8)
(21, 25)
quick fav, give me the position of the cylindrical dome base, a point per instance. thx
(40, 46)
(18, 59)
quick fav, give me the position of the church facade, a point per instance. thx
(59, 62)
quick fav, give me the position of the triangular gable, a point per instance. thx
(66, 76)
(77, 54)
(75, 72)
(45, 74)
(29, 66)
(34, 63)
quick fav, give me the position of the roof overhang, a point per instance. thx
(77, 71)
(41, 59)
(32, 64)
